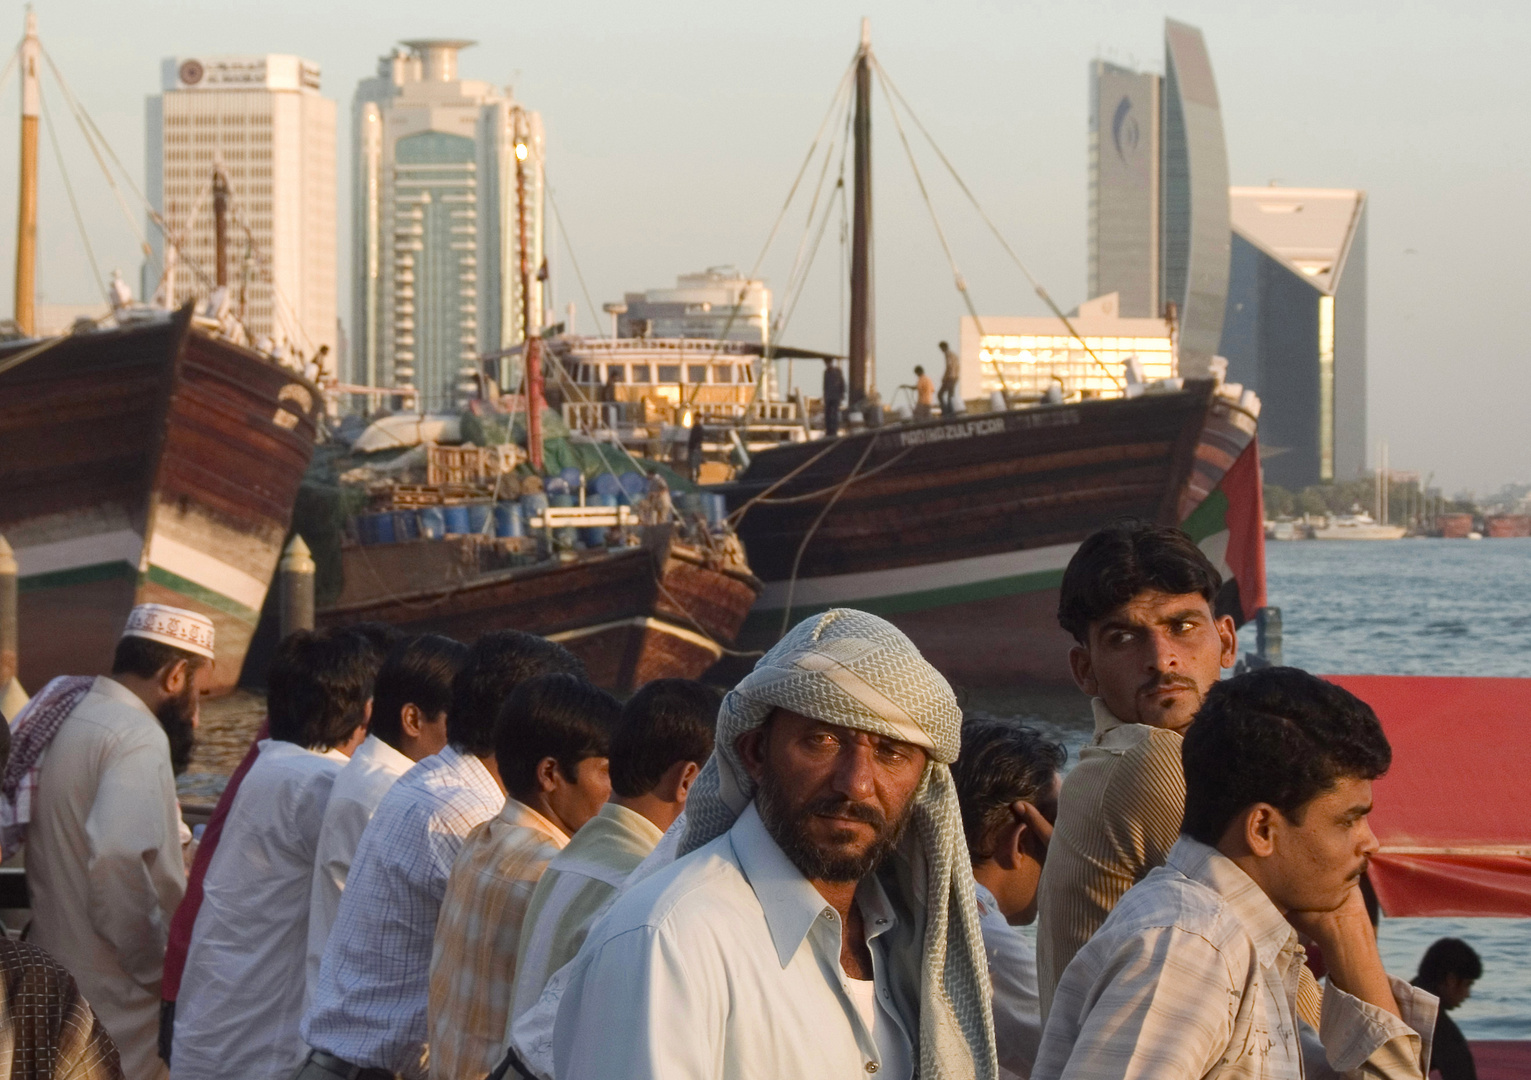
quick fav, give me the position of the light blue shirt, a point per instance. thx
(726, 966)
(370, 1000)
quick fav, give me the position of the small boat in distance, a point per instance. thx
(1357, 525)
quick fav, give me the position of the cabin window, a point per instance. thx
(669, 373)
(585, 374)
(616, 373)
(640, 373)
(722, 373)
(696, 373)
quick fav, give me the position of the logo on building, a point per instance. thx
(1124, 129)
(191, 72)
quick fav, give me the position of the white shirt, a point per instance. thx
(1194, 974)
(104, 863)
(727, 965)
(1013, 974)
(239, 1006)
(358, 789)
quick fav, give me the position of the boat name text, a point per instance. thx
(989, 426)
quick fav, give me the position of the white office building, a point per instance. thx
(263, 120)
(437, 253)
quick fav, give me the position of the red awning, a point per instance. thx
(1451, 814)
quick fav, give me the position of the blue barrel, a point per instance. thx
(382, 527)
(433, 524)
(366, 533)
(480, 516)
(633, 487)
(606, 484)
(507, 520)
(456, 518)
(556, 485)
(406, 525)
(533, 505)
(717, 507)
(566, 536)
(689, 503)
(572, 477)
(595, 536)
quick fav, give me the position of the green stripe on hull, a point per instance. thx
(920, 601)
(192, 591)
(77, 575)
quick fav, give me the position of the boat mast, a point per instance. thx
(531, 352)
(863, 362)
(221, 225)
(26, 201)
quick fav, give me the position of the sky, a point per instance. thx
(675, 128)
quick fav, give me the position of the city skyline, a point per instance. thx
(647, 197)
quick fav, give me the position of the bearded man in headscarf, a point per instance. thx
(820, 921)
(90, 789)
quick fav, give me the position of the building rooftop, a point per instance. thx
(1308, 229)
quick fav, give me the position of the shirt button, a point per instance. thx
(871, 1066)
(829, 913)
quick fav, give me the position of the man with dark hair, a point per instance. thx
(238, 1012)
(1194, 973)
(834, 397)
(820, 920)
(661, 742)
(552, 742)
(409, 722)
(951, 371)
(90, 785)
(367, 1019)
(1007, 786)
(1138, 600)
(1448, 970)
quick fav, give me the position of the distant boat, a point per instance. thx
(1358, 526)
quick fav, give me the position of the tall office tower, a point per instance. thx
(1295, 330)
(719, 303)
(436, 250)
(1159, 193)
(264, 122)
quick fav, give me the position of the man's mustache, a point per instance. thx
(1161, 682)
(835, 806)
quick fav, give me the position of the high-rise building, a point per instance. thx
(262, 120)
(1295, 330)
(438, 222)
(720, 303)
(1158, 193)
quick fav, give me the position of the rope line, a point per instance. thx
(786, 615)
(74, 205)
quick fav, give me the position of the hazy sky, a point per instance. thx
(674, 129)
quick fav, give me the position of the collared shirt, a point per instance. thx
(727, 965)
(1118, 816)
(473, 963)
(104, 863)
(1194, 974)
(577, 886)
(369, 1005)
(361, 785)
(1013, 974)
(237, 1014)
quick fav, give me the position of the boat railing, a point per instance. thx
(583, 517)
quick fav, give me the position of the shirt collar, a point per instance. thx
(375, 749)
(473, 772)
(113, 689)
(632, 823)
(1105, 719)
(283, 748)
(1246, 901)
(520, 815)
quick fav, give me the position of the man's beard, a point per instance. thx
(788, 826)
(177, 716)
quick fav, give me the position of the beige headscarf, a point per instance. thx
(859, 671)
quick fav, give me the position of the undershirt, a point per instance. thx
(891, 1047)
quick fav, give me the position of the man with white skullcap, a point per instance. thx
(90, 790)
(820, 921)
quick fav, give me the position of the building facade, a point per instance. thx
(1295, 330)
(263, 121)
(437, 224)
(1158, 230)
(720, 303)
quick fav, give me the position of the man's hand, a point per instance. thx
(1349, 945)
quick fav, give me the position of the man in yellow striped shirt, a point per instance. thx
(1139, 600)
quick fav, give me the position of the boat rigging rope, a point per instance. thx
(569, 247)
(74, 205)
(890, 87)
(786, 615)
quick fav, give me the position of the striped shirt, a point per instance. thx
(578, 885)
(1195, 974)
(473, 962)
(1118, 816)
(370, 1001)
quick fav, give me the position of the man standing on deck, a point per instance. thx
(1137, 599)
(834, 395)
(91, 767)
(953, 370)
(822, 921)
(367, 1020)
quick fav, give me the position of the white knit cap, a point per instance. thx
(173, 626)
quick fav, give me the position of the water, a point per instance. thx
(1421, 607)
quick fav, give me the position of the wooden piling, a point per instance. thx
(295, 579)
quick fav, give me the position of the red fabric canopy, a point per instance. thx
(1451, 813)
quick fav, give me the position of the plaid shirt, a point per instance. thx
(369, 1003)
(473, 964)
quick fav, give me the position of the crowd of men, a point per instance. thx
(463, 861)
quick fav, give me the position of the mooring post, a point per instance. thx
(9, 629)
(1268, 635)
(295, 579)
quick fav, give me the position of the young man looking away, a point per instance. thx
(1195, 973)
(1007, 786)
(1138, 600)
